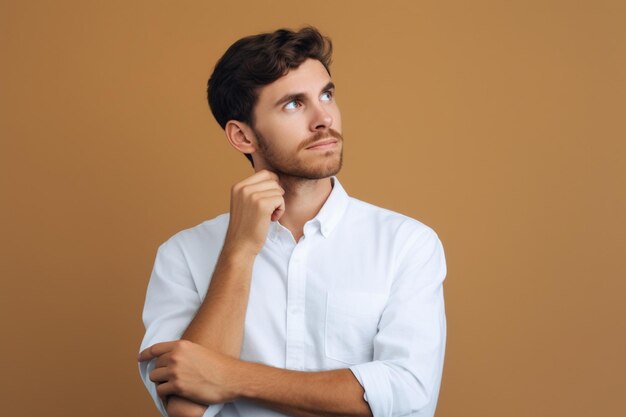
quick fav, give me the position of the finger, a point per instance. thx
(165, 389)
(278, 212)
(261, 196)
(269, 203)
(160, 375)
(265, 185)
(262, 175)
(266, 173)
(156, 350)
(162, 360)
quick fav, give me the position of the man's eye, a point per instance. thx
(327, 96)
(292, 105)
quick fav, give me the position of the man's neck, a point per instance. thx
(303, 200)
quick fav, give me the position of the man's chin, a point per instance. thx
(309, 175)
(322, 173)
(311, 172)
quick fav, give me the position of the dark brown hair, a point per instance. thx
(255, 61)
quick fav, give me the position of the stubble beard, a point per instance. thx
(290, 166)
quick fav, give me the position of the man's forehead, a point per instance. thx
(310, 75)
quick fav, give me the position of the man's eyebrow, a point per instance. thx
(329, 86)
(299, 96)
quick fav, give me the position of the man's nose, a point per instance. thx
(321, 119)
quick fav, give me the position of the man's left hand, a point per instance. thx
(189, 370)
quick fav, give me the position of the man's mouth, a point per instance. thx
(323, 144)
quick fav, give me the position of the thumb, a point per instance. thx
(278, 212)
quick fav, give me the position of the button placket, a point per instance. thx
(296, 280)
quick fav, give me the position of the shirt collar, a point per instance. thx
(329, 215)
(333, 209)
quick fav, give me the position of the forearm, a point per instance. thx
(219, 322)
(304, 394)
(181, 407)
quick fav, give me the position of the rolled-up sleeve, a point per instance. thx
(171, 303)
(405, 375)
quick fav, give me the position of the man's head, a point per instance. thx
(273, 96)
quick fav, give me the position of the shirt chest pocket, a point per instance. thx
(351, 323)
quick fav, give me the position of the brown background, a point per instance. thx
(499, 124)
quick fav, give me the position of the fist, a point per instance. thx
(254, 203)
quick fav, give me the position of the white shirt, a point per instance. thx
(362, 289)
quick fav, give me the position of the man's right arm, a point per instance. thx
(219, 321)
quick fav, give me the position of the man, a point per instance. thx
(301, 301)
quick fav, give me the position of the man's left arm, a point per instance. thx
(189, 370)
(305, 394)
(405, 376)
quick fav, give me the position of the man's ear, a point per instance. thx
(240, 136)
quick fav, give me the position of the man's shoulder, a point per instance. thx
(210, 232)
(410, 240)
(364, 213)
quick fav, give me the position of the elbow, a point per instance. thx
(181, 407)
(421, 396)
(412, 394)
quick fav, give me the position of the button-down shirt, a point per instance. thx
(362, 289)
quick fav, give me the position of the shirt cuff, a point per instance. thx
(212, 410)
(374, 379)
(145, 368)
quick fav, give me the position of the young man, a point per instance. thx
(301, 301)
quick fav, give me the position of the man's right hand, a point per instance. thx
(254, 203)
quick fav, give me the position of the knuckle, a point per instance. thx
(270, 204)
(177, 386)
(255, 198)
(269, 174)
(245, 191)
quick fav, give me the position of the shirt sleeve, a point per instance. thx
(405, 375)
(171, 303)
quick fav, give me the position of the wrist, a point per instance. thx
(237, 254)
(247, 379)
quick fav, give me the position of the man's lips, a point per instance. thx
(327, 143)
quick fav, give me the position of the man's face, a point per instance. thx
(292, 115)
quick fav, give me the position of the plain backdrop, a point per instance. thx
(498, 124)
